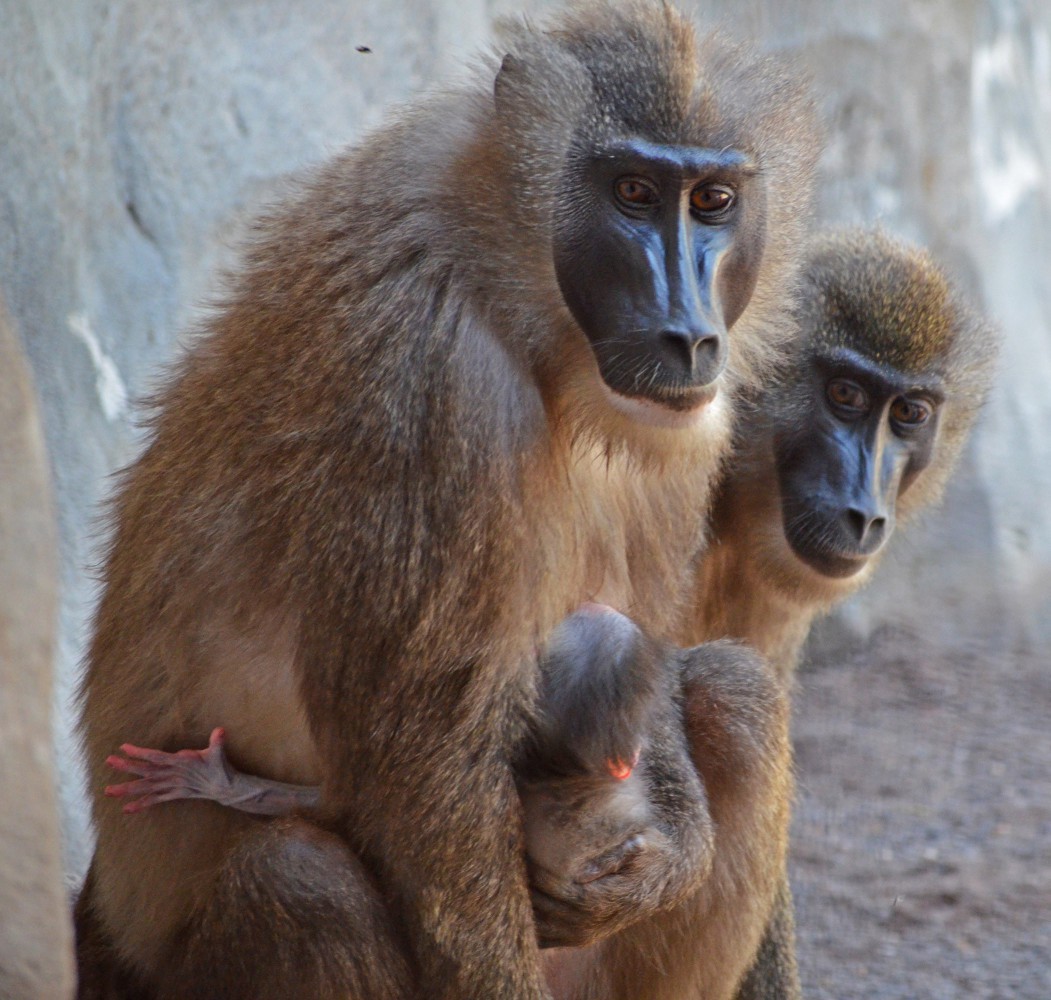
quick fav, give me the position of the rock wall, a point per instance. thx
(35, 932)
(139, 138)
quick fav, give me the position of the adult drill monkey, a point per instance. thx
(479, 371)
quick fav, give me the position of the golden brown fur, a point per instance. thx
(373, 488)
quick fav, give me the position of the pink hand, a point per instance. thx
(167, 777)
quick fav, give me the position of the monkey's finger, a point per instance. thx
(143, 768)
(174, 769)
(614, 861)
(172, 794)
(146, 754)
(138, 805)
(141, 787)
(116, 791)
(552, 885)
(560, 924)
(136, 788)
(552, 935)
(129, 766)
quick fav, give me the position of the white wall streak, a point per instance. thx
(112, 393)
(1006, 163)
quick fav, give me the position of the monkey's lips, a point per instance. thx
(678, 411)
(831, 563)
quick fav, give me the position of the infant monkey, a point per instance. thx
(616, 816)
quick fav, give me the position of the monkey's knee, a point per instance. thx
(293, 913)
(736, 709)
(734, 676)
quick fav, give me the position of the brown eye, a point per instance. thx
(711, 199)
(636, 192)
(846, 395)
(910, 412)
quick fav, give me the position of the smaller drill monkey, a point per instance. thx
(613, 809)
(862, 432)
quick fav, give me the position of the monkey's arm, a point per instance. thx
(202, 774)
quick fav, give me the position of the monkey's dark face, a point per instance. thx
(657, 251)
(869, 432)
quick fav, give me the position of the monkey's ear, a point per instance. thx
(510, 66)
(540, 90)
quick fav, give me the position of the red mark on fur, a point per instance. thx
(620, 769)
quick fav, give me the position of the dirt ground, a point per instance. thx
(922, 840)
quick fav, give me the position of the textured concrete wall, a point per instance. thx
(35, 933)
(138, 137)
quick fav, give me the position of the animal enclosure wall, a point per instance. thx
(139, 138)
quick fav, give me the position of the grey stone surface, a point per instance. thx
(138, 137)
(35, 932)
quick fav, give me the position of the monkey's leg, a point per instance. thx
(737, 720)
(291, 914)
(774, 975)
(100, 973)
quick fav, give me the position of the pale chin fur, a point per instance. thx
(653, 414)
(809, 585)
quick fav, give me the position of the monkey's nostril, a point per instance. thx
(865, 527)
(684, 348)
(677, 348)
